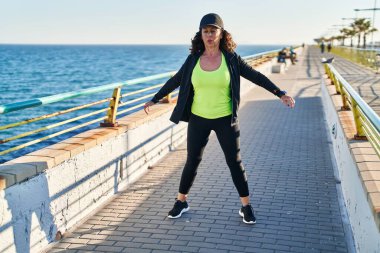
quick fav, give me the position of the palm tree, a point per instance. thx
(341, 37)
(369, 31)
(319, 40)
(333, 38)
(349, 33)
(360, 26)
(344, 34)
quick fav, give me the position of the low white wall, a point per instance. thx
(364, 229)
(32, 212)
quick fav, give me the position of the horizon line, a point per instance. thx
(125, 44)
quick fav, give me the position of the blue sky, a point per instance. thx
(172, 22)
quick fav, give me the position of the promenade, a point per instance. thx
(294, 192)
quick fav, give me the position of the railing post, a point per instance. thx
(333, 80)
(345, 106)
(360, 135)
(111, 114)
(167, 99)
(329, 75)
(326, 70)
(337, 84)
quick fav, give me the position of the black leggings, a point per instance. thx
(228, 136)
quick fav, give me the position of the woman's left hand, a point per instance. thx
(288, 100)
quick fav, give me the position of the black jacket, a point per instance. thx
(236, 66)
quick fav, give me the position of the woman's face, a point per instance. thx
(211, 36)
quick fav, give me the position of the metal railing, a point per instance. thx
(112, 110)
(366, 57)
(367, 122)
(107, 114)
(260, 58)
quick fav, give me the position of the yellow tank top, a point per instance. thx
(212, 92)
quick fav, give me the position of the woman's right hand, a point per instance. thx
(147, 105)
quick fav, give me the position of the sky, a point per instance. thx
(174, 22)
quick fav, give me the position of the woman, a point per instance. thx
(208, 100)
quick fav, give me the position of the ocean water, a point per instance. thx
(33, 71)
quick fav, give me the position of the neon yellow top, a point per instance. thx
(212, 92)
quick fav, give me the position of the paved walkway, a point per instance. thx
(294, 192)
(364, 80)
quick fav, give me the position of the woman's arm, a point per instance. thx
(256, 77)
(168, 87)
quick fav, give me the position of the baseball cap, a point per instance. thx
(211, 19)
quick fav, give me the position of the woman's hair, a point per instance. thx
(226, 43)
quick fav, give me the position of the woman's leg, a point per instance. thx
(229, 139)
(198, 131)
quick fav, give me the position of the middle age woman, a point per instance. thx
(209, 100)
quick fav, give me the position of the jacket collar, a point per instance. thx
(228, 55)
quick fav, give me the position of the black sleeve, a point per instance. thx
(256, 77)
(170, 85)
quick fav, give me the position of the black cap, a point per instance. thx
(211, 19)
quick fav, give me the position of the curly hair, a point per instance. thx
(226, 43)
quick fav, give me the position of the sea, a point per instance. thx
(34, 71)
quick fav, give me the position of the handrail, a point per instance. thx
(261, 54)
(20, 123)
(367, 122)
(113, 110)
(5, 108)
(73, 94)
(368, 57)
(359, 49)
(368, 111)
